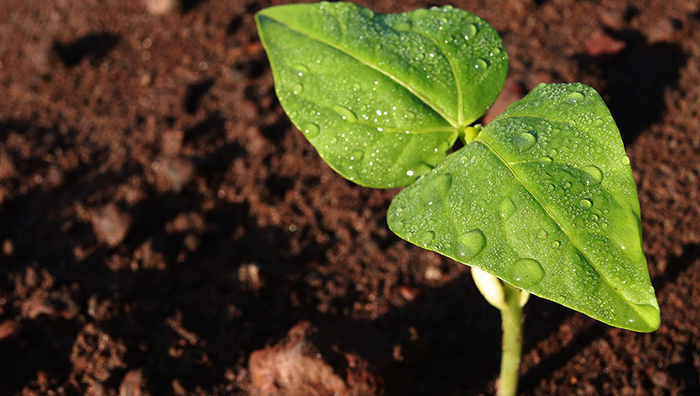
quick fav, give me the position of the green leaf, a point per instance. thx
(382, 97)
(543, 198)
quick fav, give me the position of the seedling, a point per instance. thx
(541, 200)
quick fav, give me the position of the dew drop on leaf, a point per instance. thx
(346, 114)
(470, 244)
(298, 88)
(507, 208)
(625, 160)
(424, 238)
(310, 130)
(444, 182)
(595, 172)
(524, 140)
(528, 271)
(356, 155)
(403, 26)
(585, 203)
(301, 68)
(470, 31)
(367, 13)
(574, 97)
(481, 64)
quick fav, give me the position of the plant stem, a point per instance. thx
(511, 316)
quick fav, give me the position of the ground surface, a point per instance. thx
(161, 219)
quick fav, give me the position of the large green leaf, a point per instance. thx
(382, 97)
(543, 198)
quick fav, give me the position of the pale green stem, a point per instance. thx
(509, 300)
(512, 324)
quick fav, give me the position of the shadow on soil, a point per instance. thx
(636, 80)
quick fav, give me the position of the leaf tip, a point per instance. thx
(651, 316)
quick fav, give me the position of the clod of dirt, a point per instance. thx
(7, 167)
(249, 274)
(131, 384)
(171, 142)
(110, 225)
(433, 273)
(8, 247)
(172, 173)
(95, 354)
(294, 367)
(602, 44)
(160, 7)
(8, 328)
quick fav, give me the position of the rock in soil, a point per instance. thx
(110, 225)
(295, 367)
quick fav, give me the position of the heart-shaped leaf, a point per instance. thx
(382, 97)
(543, 198)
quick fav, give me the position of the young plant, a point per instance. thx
(541, 200)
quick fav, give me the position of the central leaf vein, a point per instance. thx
(415, 93)
(537, 198)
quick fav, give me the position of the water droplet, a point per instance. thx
(585, 203)
(469, 245)
(481, 64)
(524, 140)
(556, 244)
(496, 51)
(403, 26)
(469, 31)
(574, 97)
(625, 160)
(301, 69)
(507, 208)
(367, 13)
(424, 238)
(594, 217)
(444, 182)
(356, 87)
(543, 234)
(298, 88)
(528, 271)
(546, 160)
(595, 172)
(356, 155)
(346, 114)
(310, 130)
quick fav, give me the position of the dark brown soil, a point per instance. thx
(161, 219)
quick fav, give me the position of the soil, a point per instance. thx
(165, 230)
